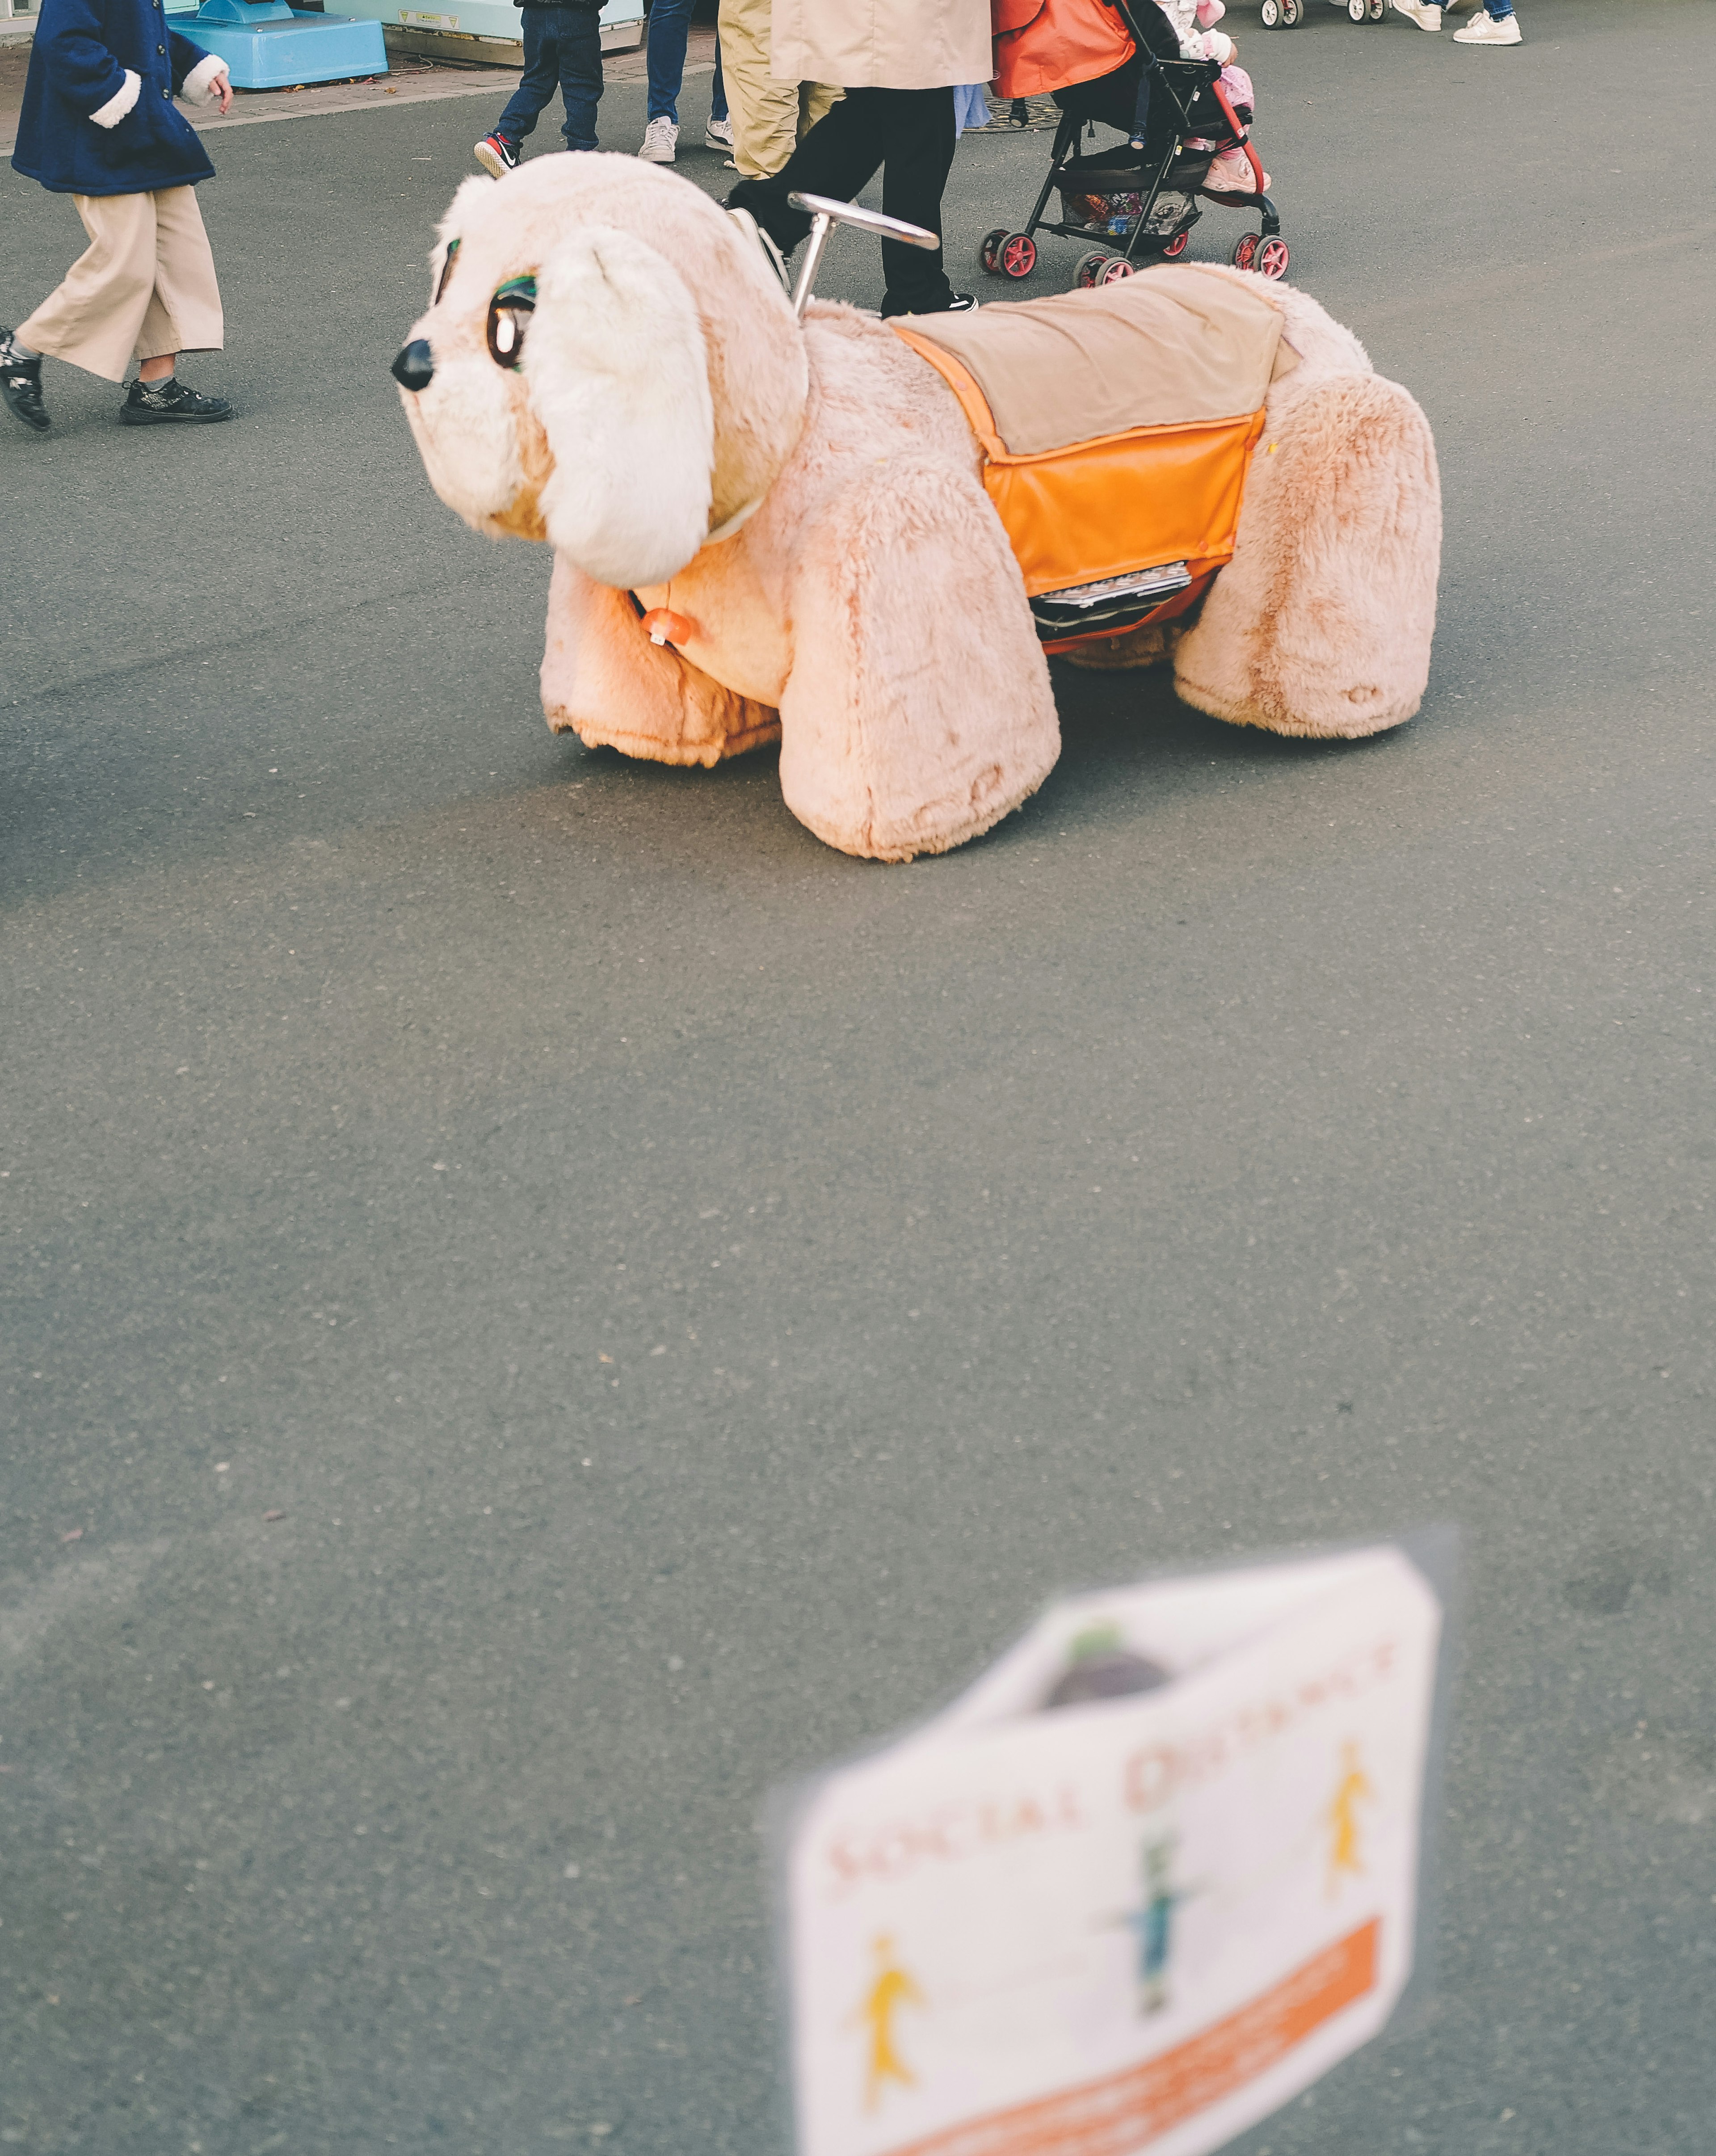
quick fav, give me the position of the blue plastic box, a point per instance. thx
(268, 44)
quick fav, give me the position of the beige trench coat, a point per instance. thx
(882, 45)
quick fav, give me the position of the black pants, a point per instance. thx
(910, 133)
(1123, 100)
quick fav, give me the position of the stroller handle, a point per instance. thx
(824, 212)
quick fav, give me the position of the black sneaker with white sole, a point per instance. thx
(497, 155)
(155, 403)
(21, 386)
(957, 303)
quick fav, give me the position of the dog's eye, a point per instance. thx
(507, 335)
(446, 270)
(510, 312)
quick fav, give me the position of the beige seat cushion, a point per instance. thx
(1171, 347)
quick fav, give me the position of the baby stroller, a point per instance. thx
(1138, 207)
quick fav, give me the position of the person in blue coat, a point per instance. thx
(99, 123)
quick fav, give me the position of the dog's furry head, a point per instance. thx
(616, 367)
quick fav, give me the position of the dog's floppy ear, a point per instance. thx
(618, 378)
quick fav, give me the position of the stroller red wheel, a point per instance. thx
(989, 253)
(1245, 251)
(1114, 269)
(1292, 13)
(1017, 254)
(1176, 246)
(1089, 267)
(1271, 258)
(1376, 10)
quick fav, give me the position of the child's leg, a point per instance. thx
(184, 312)
(1140, 111)
(580, 75)
(669, 26)
(93, 319)
(718, 96)
(537, 84)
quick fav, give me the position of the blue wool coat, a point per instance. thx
(77, 66)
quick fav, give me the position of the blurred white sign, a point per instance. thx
(1151, 1876)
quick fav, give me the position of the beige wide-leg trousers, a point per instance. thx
(768, 116)
(145, 284)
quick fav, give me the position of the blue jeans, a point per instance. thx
(563, 48)
(669, 25)
(670, 22)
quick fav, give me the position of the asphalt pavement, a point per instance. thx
(539, 1300)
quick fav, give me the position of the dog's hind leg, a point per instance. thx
(1321, 624)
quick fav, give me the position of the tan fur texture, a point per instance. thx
(865, 607)
(1321, 624)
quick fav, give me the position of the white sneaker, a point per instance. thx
(658, 140)
(718, 134)
(1487, 30)
(1427, 15)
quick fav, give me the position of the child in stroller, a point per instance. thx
(1186, 119)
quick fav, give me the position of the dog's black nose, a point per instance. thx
(414, 368)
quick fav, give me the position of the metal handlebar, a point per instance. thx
(824, 212)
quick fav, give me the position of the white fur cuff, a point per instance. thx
(121, 103)
(197, 86)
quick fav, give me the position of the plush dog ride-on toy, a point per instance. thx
(861, 538)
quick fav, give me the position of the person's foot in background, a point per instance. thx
(718, 134)
(660, 139)
(21, 383)
(1424, 13)
(1491, 30)
(497, 155)
(169, 402)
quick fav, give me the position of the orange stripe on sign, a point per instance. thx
(1125, 2111)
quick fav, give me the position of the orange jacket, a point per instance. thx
(1043, 45)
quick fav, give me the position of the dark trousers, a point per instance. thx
(1123, 100)
(563, 51)
(910, 133)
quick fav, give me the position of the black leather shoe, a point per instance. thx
(21, 386)
(152, 403)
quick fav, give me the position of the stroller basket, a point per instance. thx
(1139, 206)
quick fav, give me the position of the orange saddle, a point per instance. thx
(1117, 427)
